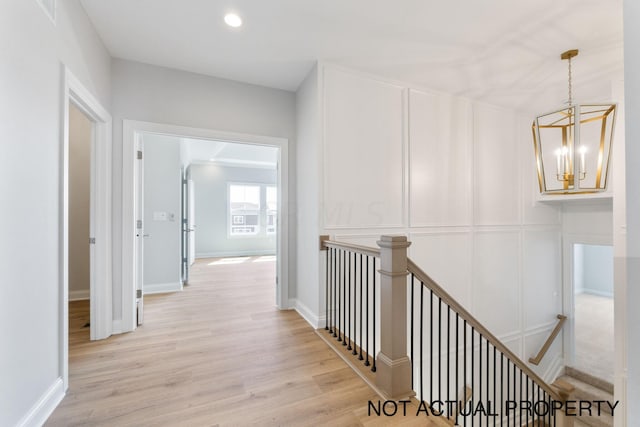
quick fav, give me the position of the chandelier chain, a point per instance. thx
(570, 97)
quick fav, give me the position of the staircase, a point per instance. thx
(589, 388)
(412, 341)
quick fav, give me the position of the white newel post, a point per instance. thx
(393, 375)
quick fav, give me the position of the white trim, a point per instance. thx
(306, 313)
(100, 228)
(162, 288)
(79, 295)
(230, 254)
(44, 407)
(130, 130)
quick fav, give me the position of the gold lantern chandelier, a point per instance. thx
(573, 145)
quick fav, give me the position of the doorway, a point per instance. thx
(79, 102)
(137, 141)
(79, 208)
(203, 199)
(593, 315)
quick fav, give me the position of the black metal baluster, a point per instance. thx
(360, 357)
(339, 294)
(448, 352)
(421, 344)
(366, 363)
(349, 336)
(464, 367)
(488, 380)
(335, 300)
(495, 387)
(480, 374)
(473, 353)
(355, 304)
(431, 347)
(457, 387)
(515, 392)
(520, 414)
(411, 330)
(326, 290)
(439, 349)
(529, 412)
(373, 368)
(344, 298)
(502, 400)
(527, 396)
(508, 389)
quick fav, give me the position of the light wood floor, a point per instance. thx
(218, 353)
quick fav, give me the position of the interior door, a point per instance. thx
(188, 225)
(185, 230)
(191, 221)
(139, 214)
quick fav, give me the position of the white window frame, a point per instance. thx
(231, 235)
(266, 208)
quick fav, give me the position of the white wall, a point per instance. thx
(593, 269)
(458, 178)
(80, 134)
(162, 195)
(30, 106)
(212, 211)
(308, 150)
(627, 248)
(161, 95)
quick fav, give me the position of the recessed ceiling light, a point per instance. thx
(233, 20)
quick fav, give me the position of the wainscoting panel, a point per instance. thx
(496, 281)
(541, 289)
(497, 170)
(446, 258)
(363, 152)
(440, 160)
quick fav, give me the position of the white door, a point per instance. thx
(139, 241)
(191, 222)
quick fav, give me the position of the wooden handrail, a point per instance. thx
(365, 250)
(536, 360)
(464, 314)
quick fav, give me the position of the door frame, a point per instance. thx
(100, 293)
(568, 300)
(129, 262)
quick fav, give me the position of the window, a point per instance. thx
(244, 210)
(272, 209)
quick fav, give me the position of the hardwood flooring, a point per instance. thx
(218, 353)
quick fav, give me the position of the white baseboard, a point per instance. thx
(597, 293)
(79, 295)
(229, 254)
(44, 407)
(162, 288)
(306, 313)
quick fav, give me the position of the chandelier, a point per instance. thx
(573, 145)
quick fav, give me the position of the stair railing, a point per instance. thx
(415, 339)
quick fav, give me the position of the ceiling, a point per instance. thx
(229, 153)
(501, 51)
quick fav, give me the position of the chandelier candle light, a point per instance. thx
(578, 139)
